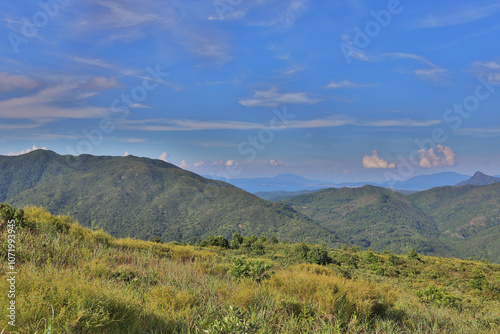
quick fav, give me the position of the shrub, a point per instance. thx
(437, 295)
(478, 279)
(319, 255)
(232, 323)
(236, 241)
(301, 250)
(412, 255)
(8, 213)
(256, 270)
(370, 257)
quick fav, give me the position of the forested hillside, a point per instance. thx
(146, 199)
(445, 221)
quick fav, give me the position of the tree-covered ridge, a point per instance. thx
(445, 221)
(75, 280)
(146, 198)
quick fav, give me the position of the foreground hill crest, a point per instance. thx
(146, 198)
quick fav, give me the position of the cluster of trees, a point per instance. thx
(238, 241)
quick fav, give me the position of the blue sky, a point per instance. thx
(351, 90)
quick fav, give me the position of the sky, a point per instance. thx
(350, 90)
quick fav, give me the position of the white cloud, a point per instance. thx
(230, 163)
(374, 161)
(34, 148)
(274, 163)
(272, 99)
(199, 163)
(126, 154)
(9, 82)
(443, 156)
(183, 164)
(164, 156)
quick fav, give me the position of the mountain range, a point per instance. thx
(292, 183)
(146, 198)
(458, 221)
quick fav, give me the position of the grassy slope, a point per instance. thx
(145, 198)
(72, 279)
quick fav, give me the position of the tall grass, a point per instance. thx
(75, 280)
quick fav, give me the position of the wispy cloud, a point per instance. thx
(490, 70)
(333, 120)
(102, 83)
(31, 124)
(283, 13)
(112, 14)
(479, 132)
(9, 82)
(467, 14)
(492, 65)
(433, 72)
(133, 140)
(347, 84)
(272, 98)
(294, 69)
(48, 103)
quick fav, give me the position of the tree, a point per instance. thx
(236, 241)
(219, 241)
(412, 255)
(319, 255)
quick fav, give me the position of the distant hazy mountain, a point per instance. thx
(479, 179)
(146, 198)
(282, 182)
(291, 183)
(424, 182)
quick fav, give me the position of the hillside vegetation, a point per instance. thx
(71, 279)
(146, 199)
(445, 221)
